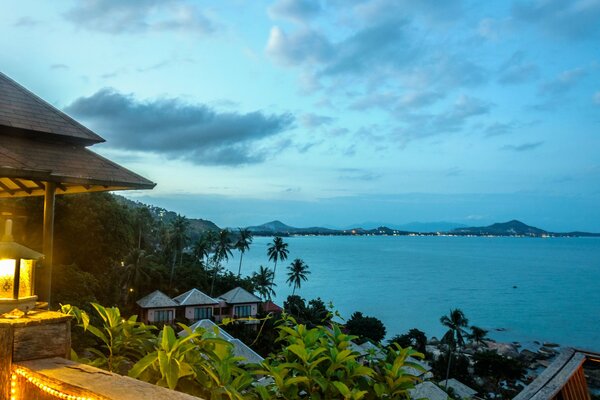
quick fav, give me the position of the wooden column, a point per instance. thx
(45, 277)
(6, 345)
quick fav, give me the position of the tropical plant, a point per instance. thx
(135, 273)
(223, 246)
(455, 322)
(413, 338)
(298, 272)
(178, 237)
(477, 335)
(121, 341)
(242, 245)
(263, 282)
(277, 251)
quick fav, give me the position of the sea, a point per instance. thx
(522, 290)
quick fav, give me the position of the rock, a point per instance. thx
(517, 344)
(528, 356)
(433, 341)
(550, 344)
(536, 342)
(504, 349)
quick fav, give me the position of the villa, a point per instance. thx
(157, 307)
(196, 305)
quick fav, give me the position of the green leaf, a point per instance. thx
(142, 365)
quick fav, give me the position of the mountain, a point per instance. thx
(510, 228)
(279, 228)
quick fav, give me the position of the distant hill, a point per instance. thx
(279, 228)
(197, 225)
(510, 228)
(440, 226)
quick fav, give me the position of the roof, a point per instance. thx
(427, 390)
(156, 299)
(26, 162)
(239, 296)
(240, 349)
(22, 110)
(461, 390)
(269, 306)
(194, 297)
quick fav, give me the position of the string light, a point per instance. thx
(40, 384)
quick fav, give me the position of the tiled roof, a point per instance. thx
(21, 109)
(240, 349)
(156, 299)
(461, 390)
(194, 297)
(25, 157)
(239, 296)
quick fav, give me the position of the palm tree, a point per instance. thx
(298, 272)
(135, 273)
(177, 240)
(477, 335)
(223, 248)
(277, 251)
(242, 245)
(263, 282)
(455, 322)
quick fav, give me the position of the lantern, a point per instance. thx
(17, 274)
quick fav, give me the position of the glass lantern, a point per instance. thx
(17, 274)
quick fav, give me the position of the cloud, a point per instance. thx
(498, 128)
(117, 17)
(493, 29)
(295, 10)
(304, 46)
(563, 82)
(311, 120)
(522, 147)
(579, 19)
(194, 132)
(26, 22)
(597, 97)
(515, 70)
(59, 66)
(357, 174)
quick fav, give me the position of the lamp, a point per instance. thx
(17, 274)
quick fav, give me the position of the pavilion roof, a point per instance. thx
(22, 110)
(156, 299)
(239, 295)
(39, 143)
(194, 297)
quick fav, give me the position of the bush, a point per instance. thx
(366, 328)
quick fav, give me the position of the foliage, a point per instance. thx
(242, 245)
(366, 328)
(312, 314)
(455, 322)
(263, 282)
(413, 338)
(317, 363)
(298, 272)
(460, 367)
(121, 341)
(477, 335)
(497, 367)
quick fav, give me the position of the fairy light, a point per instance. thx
(40, 384)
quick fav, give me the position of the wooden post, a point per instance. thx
(45, 277)
(6, 347)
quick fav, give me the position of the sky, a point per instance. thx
(332, 112)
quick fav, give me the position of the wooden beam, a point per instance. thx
(61, 186)
(40, 185)
(7, 189)
(45, 277)
(21, 185)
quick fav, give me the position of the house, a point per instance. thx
(239, 348)
(196, 305)
(237, 303)
(157, 307)
(428, 390)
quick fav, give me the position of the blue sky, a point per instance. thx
(331, 112)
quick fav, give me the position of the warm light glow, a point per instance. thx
(26, 278)
(7, 276)
(40, 384)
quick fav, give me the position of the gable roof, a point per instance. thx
(194, 297)
(156, 299)
(461, 390)
(238, 296)
(21, 109)
(427, 390)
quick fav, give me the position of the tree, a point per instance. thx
(178, 237)
(366, 328)
(277, 251)
(242, 245)
(298, 272)
(477, 335)
(135, 273)
(413, 338)
(263, 282)
(497, 367)
(455, 322)
(223, 248)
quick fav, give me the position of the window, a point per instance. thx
(202, 313)
(242, 311)
(163, 315)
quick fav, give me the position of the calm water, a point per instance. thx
(410, 282)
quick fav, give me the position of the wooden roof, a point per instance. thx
(39, 144)
(22, 110)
